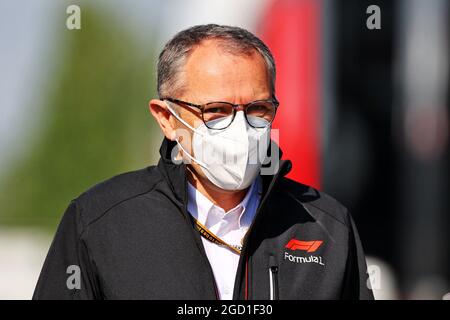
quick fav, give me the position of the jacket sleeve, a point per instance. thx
(356, 283)
(67, 273)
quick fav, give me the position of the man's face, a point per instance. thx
(210, 74)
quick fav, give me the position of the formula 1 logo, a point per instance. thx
(308, 246)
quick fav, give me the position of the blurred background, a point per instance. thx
(364, 116)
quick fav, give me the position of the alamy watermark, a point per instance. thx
(74, 279)
(265, 151)
(73, 21)
(374, 279)
(373, 21)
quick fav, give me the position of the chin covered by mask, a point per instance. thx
(230, 158)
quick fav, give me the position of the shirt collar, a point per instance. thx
(202, 209)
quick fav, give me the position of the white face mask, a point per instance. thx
(230, 158)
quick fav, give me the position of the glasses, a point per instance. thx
(219, 115)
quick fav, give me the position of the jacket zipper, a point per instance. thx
(273, 279)
(245, 241)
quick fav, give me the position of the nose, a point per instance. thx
(239, 107)
(240, 117)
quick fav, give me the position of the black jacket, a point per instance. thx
(132, 238)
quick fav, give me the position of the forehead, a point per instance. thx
(214, 72)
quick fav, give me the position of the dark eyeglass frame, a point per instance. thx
(235, 106)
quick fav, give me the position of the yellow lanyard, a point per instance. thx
(208, 235)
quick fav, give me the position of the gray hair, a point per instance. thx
(233, 40)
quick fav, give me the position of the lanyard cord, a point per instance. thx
(208, 235)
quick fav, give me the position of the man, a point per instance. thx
(208, 222)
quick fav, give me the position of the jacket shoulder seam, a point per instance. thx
(105, 212)
(330, 215)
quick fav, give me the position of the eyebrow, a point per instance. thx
(265, 98)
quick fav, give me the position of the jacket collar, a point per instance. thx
(175, 174)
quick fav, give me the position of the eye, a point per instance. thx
(260, 109)
(218, 108)
(215, 110)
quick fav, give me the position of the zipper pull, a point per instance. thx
(273, 278)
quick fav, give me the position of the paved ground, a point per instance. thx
(22, 252)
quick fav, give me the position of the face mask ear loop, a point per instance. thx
(201, 164)
(182, 121)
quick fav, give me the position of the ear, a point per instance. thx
(162, 115)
